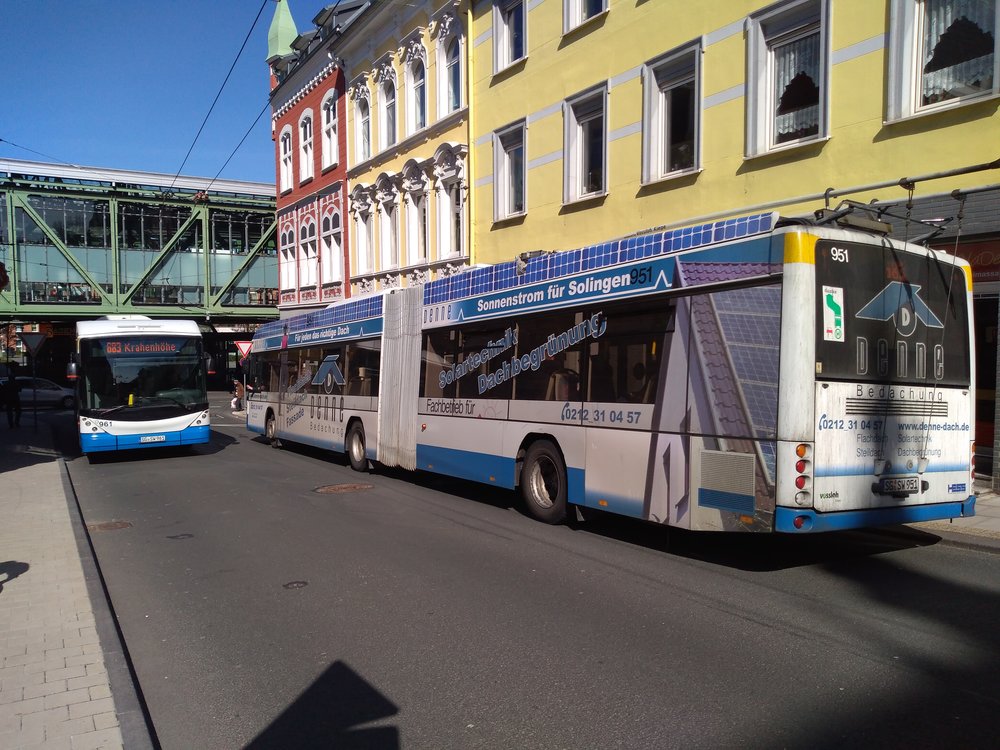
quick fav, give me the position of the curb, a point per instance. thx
(134, 722)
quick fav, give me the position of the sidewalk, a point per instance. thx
(60, 655)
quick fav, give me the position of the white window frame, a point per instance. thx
(331, 139)
(660, 76)
(576, 116)
(363, 118)
(769, 29)
(285, 164)
(305, 146)
(505, 141)
(310, 261)
(332, 266)
(575, 13)
(363, 236)
(416, 110)
(418, 222)
(450, 88)
(287, 260)
(504, 33)
(388, 115)
(903, 93)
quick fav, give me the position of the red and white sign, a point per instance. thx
(243, 347)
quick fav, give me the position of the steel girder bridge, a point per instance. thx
(78, 243)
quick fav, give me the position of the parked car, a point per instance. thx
(44, 392)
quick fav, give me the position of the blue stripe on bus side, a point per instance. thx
(489, 469)
(731, 501)
(784, 518)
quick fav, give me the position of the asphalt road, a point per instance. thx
(424, 613)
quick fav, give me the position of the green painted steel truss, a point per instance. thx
(79, 249)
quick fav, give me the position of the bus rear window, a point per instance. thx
(885, 315)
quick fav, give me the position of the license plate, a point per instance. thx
(899, 485)
(153, 439)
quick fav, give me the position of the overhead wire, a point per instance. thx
(218, 94)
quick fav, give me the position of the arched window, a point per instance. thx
(418, 96)
(285, 165)
(306, 147)
(388, 200)
(331, 143)
(388, 114)
(364, 131)
(333, 257)
(453, 76)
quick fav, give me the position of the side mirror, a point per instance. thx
(72, 368)
(210, 364)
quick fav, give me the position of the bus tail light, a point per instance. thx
(803, 470)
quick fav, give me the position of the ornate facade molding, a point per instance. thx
(445, 22)
(300, 93)
(359, 91)
(413, 49)
(384, 71)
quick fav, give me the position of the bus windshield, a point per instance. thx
(142, 377)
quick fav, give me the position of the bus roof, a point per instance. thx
(135, 326)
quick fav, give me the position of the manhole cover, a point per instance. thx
(109, 526)
(338, 489)
(295, 585)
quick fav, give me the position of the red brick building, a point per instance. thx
(308, 121)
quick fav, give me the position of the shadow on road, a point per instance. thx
(330, 714)
(10, 570)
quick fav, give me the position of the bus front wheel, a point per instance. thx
(543, 482)
(271, 431)
(356, 446)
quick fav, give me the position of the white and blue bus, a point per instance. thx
(745, 375)
(140, 383)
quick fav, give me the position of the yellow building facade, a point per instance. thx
(594, 119)
(408, 155)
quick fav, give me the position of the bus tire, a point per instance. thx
(271, 431)
(543, 482)
(355, 446)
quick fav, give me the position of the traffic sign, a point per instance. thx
(243, 347)
(33, 341)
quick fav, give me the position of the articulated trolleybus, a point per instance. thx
(745, 375)
(141, 383)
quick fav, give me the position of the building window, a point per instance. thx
(671, 114)
(788, 76)
(306, 147)
(453, 75)
(575, 12)
(362, 238)
(333, 255)
(364, 131)
(585, 151)
(943, 53)
(389, 236)
(509, 33)
(456, 206)
(287, 262)
(388, 114)
(417, 228)
(331, 144)
(307, 243)
(508, 172)
(418, 96)
(285, 166)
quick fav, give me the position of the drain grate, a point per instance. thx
(109, 526)
(339, 489)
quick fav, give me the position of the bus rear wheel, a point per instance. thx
(543, 482)
(271, 431)
(355, 444)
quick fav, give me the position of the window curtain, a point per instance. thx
(957, 48)
(796, 71)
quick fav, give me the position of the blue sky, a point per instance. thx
(126, 83)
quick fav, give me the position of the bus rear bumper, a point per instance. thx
(811, 522)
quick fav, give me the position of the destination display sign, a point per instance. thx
(143, 346)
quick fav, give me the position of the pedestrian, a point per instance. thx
(12, 398)
(237, 402)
